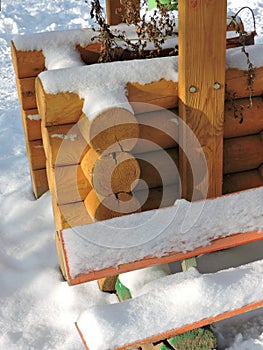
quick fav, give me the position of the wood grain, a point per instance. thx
(201, 105)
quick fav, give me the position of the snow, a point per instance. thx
(237, 59)
(172, 302)
(33, 116)
(105, 84)
(135, 280)
(183, 227)
(38, 309)
(71, 137)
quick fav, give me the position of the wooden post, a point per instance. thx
(202, 42)
(114, 11)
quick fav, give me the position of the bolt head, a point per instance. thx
(217, 86)
(192, 89)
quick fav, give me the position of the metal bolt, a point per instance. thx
(217, 86)
(193, 89)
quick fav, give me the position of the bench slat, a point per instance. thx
(159, 236)
(189, 300)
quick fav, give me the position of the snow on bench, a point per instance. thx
(160, 236)
(189, 300)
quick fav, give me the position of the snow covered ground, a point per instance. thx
(38, 309)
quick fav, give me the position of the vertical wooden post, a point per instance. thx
(114, 10)
(202, 45)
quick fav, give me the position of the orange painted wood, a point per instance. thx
(201, 105)
(242, 181)
(252, 117)
(242, 153)
(27, 63)
(236, 83)
(26, 92)
(215, 245)
(113, 173)
(186, 328)
(112, 130)
(64, 144)
(32, 125)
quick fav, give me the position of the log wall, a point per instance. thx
(104, 181)
(61, 124)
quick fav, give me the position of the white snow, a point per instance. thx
(33, 116)
(237, 59)
(71, 137)
(172, 302)
(38, 309)
(105, 84)
(135, 280)
(54, 39)
(183, 227)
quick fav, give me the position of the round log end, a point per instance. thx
(113, 130)
(112, 206)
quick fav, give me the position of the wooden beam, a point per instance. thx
(188, 327)
(215, 245)
(201, 94)
(115, 10)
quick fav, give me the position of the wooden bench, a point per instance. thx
(177, 304)
(86, 254)
(118, 245)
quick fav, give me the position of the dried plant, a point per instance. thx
(156, 29)
(238, 109)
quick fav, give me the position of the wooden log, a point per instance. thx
(107, 284)
(113, 173)
(70, 184)
(160, 128)
(160, 197)
(70, 215)
(111, 206)
(57, 109)
(152, 96)
(64, 144)
(66, 108)
(242, 181)
(27, 63)
(32, 124)
(237, 84)
(261, 171)
(242, 153)
(201, 95)
(39, 182)
(26, 93)
(113, 130)
(158, 168)
(36, 155)
(252, 117)
(66, 215)
(91, 53)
